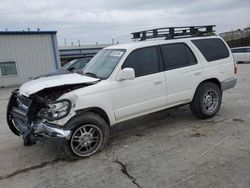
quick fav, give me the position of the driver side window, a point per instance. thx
(144, 61)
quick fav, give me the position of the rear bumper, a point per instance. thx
(33, 130)
(228, 84)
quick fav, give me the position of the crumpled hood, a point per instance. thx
(39, 84)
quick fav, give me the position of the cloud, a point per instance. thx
(102, 20)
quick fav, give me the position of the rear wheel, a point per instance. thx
(207, 100)
(90, 134)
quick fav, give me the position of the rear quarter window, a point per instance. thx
(212, 49)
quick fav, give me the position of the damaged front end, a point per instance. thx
(33, 117)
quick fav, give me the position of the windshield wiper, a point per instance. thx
(91, 74)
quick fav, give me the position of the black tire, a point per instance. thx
(84, 121)
(9, 117)
(198, 105)
(12, 126)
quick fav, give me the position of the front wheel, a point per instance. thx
(207, 100)
(90, 134)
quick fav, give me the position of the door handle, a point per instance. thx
(197, 73)
(158, 82)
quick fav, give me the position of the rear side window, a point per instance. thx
(144, 61)
(177, 55)
(212, 49)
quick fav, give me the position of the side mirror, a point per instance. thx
(127, 74)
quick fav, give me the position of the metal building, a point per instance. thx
(27, 54)
(68, 53)
(237, 38)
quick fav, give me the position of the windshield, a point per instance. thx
(103, 63)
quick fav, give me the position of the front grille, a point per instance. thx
(22, 108)
(23, 103)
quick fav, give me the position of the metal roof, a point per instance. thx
(80, 51)
(26, 32)
(84, 47)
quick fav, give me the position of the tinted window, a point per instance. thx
(190, 56)
(81, 63)
(144, 61)
(239, 50)
(235, 50)
(177, 56)
(76, 65)
(212, 49)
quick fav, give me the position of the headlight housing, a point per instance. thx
(55, 110)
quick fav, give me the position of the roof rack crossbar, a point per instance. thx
(174, 32)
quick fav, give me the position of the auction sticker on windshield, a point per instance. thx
(117, 53)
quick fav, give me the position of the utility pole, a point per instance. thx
(79, 44)
(113, 41)
(65, 42)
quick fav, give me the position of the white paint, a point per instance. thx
(127, 74)
(242, 57)
(126, 99)
(36, 85)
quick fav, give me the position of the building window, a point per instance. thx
(8, 68)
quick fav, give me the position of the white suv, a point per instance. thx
(121, 82)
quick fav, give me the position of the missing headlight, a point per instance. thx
(55, 110)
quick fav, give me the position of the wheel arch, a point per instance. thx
(96, 110)
(212, 80)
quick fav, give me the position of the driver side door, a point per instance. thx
(144, 94)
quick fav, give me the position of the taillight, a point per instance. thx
(235, 68)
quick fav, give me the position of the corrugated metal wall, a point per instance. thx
(237, 38)
(33, 54)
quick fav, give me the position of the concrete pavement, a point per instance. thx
(170, 148)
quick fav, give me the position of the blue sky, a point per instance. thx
(101, 20)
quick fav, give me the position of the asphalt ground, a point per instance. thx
(170, 148)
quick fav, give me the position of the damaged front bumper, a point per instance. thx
(48, 130)
(21, 120)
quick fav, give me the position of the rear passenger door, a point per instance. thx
(182, 72)
(145, 93)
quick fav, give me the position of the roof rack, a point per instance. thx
(174, 32)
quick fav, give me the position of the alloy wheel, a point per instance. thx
(86, 140)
